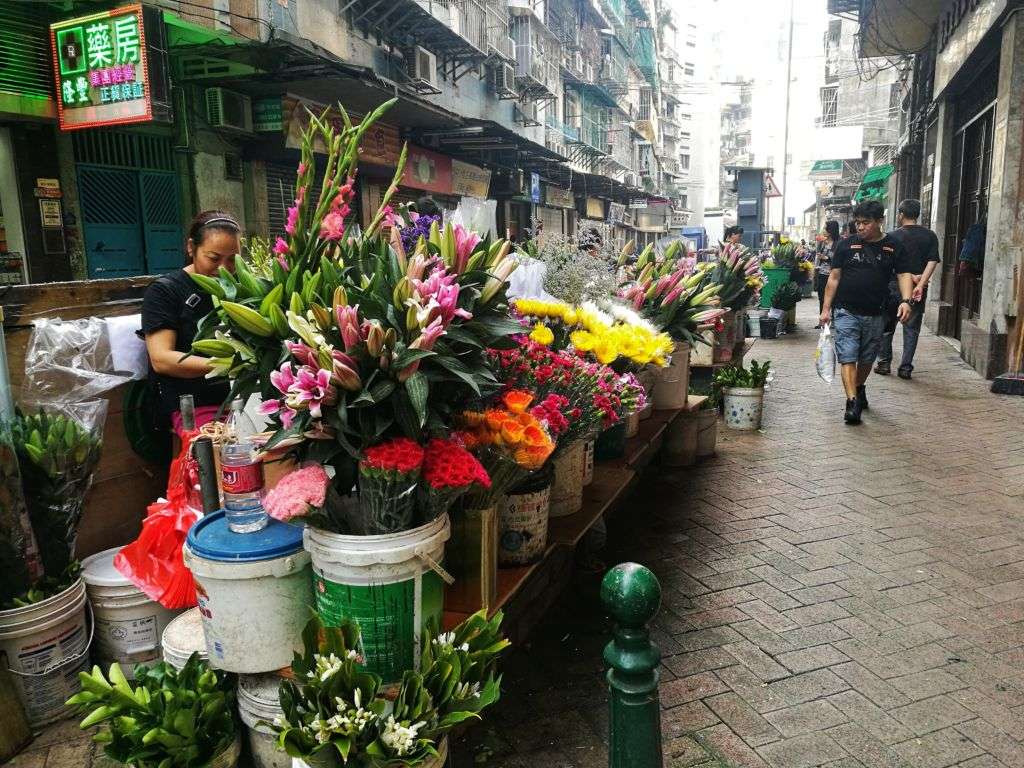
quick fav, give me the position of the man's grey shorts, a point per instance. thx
(858, 337)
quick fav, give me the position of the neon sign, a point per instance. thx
(99, 62)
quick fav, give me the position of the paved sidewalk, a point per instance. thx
(833, 595)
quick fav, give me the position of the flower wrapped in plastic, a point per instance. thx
(509, 441)
(449, 471)
(388, 476)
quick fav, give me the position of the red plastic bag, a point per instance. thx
(153, 562)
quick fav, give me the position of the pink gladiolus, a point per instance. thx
(301, 169)
(281, 246)
(389, 215)
(465, 242)
(298, 492)
(333, 226)
(293, 220)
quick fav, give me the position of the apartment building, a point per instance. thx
(546, 110)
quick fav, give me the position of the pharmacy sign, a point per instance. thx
(99, 62)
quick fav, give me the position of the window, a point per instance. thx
(688, 71)
(685, 116)
(684, 200)
(691, 43)
(835, 30)
(684, 135)
(829, 106)
(684, 162)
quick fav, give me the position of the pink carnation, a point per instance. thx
(297, 492)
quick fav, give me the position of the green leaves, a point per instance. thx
(169, 719)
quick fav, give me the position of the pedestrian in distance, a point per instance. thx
(922, 248)
(733, 235)
(856, 296)
(823, 260)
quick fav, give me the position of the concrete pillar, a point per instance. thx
(984, 339)
(938, 314)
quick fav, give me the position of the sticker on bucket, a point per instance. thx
(389, 622)
(524, 527)
(115, 637)
(44, 695)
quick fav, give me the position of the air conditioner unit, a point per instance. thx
(422, 67)
(630, 180)
(228, 111)
(503, 78)
(526, 113)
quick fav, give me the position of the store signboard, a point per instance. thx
(556, 197)
(638, 202)
(469, 180)
(535, 187)
(595, 208)
(99, 63)
(48, 188)
(267, 115)
(428, 170)
(616, 213)
(50, 213)
(380, 145)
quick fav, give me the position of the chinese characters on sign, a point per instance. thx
(100, 67)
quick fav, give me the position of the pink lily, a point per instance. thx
(425, 341)
(277, 407)
(301, 352)
(348, 324)
(283, 378)
(465, 242)
(312, 389)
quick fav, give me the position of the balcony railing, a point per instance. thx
(498, 40)
(614, 75)
(594, 133)
(551, 120)
(537, 58)
(456, 28)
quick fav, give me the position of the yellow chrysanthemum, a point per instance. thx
(583, 341)
(542, 334)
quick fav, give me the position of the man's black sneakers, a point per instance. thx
(884, 368)
(905, 371)
(853, 409)
(862, 398)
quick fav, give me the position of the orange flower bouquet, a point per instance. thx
(508, 440)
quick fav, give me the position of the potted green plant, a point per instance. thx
(336, 714)
(785, 301)
(169, 719)
(742, 390)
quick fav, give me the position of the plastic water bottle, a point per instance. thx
(241, 475)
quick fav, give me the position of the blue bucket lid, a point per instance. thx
(211, 539)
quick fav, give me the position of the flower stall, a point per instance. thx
(441, 450)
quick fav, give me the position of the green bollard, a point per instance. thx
(632, 595)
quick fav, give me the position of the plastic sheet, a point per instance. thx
(20, 566)
(70, 361)
(153, 562)
(476, 215)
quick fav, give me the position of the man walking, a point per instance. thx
(922, 248)
(857, 289)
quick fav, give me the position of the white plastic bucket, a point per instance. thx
(674, 381)
(523, 527)
(258, 706)
(183, 637)
(253, 612)
(392, 585)
(754, 325)
(567, 486)
(743, 408)
(45, 646)
(128, 623)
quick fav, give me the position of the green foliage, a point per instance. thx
(257, 257)
(168, 719)
(787, 296)
(334, 711)
(743, 378)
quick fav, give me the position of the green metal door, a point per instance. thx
(161, 227)
(130, 203)
(110, 211)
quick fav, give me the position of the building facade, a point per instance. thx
(544, 114)
(960, 150)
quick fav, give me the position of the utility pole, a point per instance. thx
(785, 140)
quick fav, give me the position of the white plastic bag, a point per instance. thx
(825, 355)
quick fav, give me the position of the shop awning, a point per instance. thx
(487, 143)
(875, 184)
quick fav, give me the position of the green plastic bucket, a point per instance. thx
(773, 279)
(392, 585)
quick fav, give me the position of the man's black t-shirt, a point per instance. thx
(921, 243)
(175, 302)
(866, 270)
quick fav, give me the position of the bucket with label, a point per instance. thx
(588, 459)
(45, 645)
(183, 637)
(258, 707)
(674, 381)
(567, 485)
(128, 623)
(392, 585)
(254, 592)
(523, 522)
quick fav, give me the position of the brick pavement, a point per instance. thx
(833, 595)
